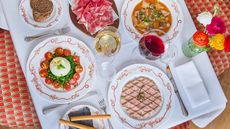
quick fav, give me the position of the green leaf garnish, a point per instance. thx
(60, 66)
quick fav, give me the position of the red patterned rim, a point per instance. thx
(35, 81)
(31, 22)
(168, 99)
(94, 111)
(175, 31)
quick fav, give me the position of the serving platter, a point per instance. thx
(99, 123)
(86, 59)
(164, 85)
(83, 28)
(173, 6)
(26, 14)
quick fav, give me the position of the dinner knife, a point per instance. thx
(170, 76)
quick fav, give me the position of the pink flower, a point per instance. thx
(227, 44)
(217, 26)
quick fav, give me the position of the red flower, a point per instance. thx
(227, 44)
(217, 26)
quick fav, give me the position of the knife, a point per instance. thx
(170, 76)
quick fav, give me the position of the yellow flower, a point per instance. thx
(217, 42)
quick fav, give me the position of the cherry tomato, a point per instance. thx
(67, 52)
(48, 55)
(73, 81)
(59, 51)
(78, 68)
(67, 86)
(76, 59)
(76, 76)
(48, 81)
(43, 73)
(56, 85)
(44, 65)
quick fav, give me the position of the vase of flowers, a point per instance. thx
(214, 35)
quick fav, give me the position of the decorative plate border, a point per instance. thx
(51, 23)
(135, 35)
(39, 86)
(142, 68)
(96, 112)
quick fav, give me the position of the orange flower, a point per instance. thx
(200, 39)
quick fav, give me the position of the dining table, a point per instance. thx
(21, 106)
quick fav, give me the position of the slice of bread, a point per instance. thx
(40, 17)
(42, 9)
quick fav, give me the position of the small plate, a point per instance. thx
(86, 59)
(177, 19)
(25, 12)
(99, 123)
(164, 85)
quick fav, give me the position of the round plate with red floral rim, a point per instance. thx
(128, 14)
(84, 79)
(26, 13)
(85, 109)
(130, 107)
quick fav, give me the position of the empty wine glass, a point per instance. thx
(107, 45)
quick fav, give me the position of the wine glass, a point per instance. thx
(107, 45)
(153, 47)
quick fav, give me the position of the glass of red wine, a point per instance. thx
(153, 47)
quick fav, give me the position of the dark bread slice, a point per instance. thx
(40, 17)
(42, 6)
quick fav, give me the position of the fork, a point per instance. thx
(103, 107)
(50, 33)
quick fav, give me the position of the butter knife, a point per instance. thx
(169, 74)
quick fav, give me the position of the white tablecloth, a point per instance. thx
(19, 30)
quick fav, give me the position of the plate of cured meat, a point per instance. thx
(141, 97)
(61, 69)
(90, 16)
(139, 17)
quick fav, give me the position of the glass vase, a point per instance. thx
(190, 49)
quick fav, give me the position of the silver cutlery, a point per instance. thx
(50, 33)
(103, 107)
(169, 74)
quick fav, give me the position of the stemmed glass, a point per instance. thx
(107, 45)
(153, 47)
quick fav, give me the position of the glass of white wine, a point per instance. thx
(107, 45)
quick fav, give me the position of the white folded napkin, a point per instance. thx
(192, 83)
(3, 23)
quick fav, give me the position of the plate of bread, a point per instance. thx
(40, 14)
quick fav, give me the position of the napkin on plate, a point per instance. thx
(192, 83)
(3, 23)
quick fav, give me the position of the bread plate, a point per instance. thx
(26, 13)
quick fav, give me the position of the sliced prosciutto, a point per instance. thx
(95, 15)
(79, 6)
